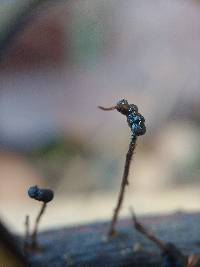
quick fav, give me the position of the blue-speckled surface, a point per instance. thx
(87, 246)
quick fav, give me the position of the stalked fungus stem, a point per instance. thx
(45, 196)
(124, 182)
(27, 231)
(35, 230)
(137, 124)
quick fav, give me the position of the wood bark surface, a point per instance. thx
(88, 246)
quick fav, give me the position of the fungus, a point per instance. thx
(137, 124)
(45, 196)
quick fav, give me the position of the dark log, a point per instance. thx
(88, 246)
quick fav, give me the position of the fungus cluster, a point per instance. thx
(171, 255)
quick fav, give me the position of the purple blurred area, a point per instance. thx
(75, 56)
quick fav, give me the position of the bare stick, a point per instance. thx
(35, 231)
(140, 228)
(124, 182)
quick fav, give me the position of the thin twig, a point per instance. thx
(174, 254)
(35, 231)
(27, 227)
(27, 231)
(140, 228)
(124, 182)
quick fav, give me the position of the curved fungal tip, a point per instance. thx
(107, 109)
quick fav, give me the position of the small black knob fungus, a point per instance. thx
(44, 195)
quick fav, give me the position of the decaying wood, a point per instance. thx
(88, 245)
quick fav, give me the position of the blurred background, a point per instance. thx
(71, 57)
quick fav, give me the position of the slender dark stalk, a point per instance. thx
(27, 231)
(137, 124)
(27, 227)
(140, 228)
(124, 183)
(35, 230)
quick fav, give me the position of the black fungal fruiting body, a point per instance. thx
(137, 124)
(135, 120)
(44, 195)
